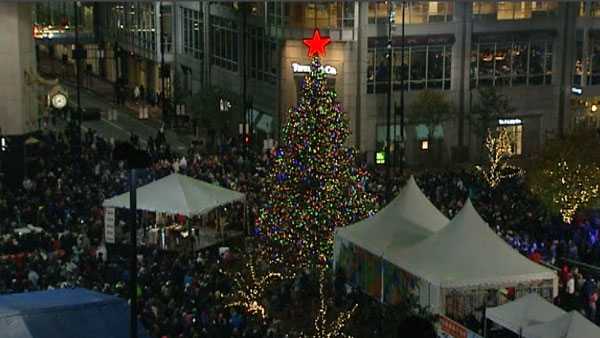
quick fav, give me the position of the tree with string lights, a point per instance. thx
(313, 186)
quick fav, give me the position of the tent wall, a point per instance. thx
(361, 268)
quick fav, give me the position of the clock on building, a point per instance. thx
(59, 100)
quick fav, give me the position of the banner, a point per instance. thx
(109, 225)
(451, 329)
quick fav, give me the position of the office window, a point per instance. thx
(225, 47)
(425, 66)
(333, 14)
(514, 10)
(511, 63)
(418, 12)
(192, 32)
(262, 56)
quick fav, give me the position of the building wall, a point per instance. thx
(18, 101)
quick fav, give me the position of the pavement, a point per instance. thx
(99, 95)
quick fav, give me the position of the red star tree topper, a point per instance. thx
(316, 44)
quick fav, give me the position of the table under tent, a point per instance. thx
(201, 208)
(406, 220)
(451, 267)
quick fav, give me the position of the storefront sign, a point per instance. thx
(441, 39)
(109, 225)
(576, 90)
(302, 69)
(380, 157)
(510, 122)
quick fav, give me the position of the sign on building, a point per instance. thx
(109, 225)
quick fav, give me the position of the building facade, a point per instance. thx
(537, 53)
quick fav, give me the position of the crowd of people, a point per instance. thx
(181, 294)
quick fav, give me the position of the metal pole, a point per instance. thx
(402, 89)
(162, 65)
(244, 83)
(78, 118)
(133, 258)
(388, 163)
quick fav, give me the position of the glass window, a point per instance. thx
(192, 33)
(514, 10)
(225, 38)
(511, 63)
(515, 135)
(425, 66)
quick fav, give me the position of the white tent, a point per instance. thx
(406, 220)
(528, 310)
(467, 254)
(178, 194)
(569, 325)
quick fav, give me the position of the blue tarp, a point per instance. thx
(65, 313)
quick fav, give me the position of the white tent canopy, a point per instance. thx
(467, 253)
(178, 194)
(569, 325)
(528, 310)
(406, 220)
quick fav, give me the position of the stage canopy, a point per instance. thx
(178, 194)
(406, 220)
(569, 325)
(467, 254)
(528, 310)
(65, 313)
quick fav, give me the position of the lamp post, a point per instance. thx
(388, 164)
(78, 54)
(163, 70)
(402, 89)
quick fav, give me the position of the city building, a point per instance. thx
(543, 55)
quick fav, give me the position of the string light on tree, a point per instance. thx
(249, 290)
(575, 187)
(313, 186)
(498, 149)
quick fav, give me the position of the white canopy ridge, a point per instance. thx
(407, 219)
(178, 194)
(467, 253)
(528, 310)
(569, 325)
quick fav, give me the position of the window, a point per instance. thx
(425, 66)
(192, 33)
(135, 24)
(262, 56)
(332, 14)
(225, 37)
(515, 134)
(418, 12)
(511, 63)
(514, 10)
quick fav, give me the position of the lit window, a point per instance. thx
(424, 145)
(515, 134)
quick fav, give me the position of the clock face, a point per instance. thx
(59, 101)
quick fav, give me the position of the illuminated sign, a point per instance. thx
(300, 69)
(576, 91)
(380, 157)
(509, 122)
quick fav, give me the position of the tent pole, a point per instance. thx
(133, 258)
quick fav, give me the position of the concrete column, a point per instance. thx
(461, 68)
(18, 101)
(366, 124)
(207, 42)
(585, 55)
(564, 61)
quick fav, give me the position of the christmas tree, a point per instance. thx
(314, 185)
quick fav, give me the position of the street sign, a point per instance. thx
(109, 225)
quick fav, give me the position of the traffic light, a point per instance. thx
(247, 139)
(3, 144)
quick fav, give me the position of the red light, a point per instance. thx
(247, 139)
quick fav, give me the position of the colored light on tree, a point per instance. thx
(313, 186)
